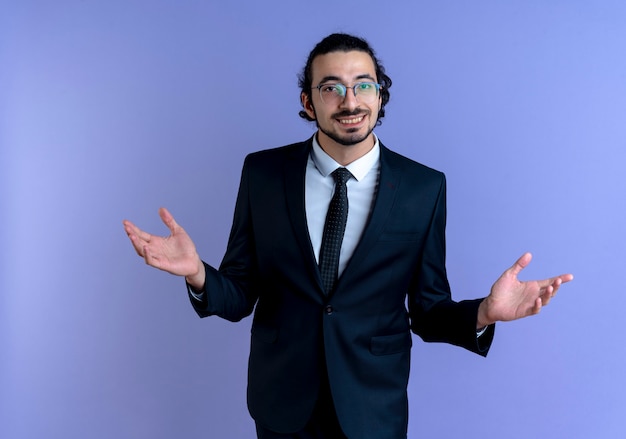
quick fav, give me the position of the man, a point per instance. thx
(329, 259)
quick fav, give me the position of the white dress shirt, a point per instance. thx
(320, 186)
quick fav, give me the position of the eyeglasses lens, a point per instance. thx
(335, 93)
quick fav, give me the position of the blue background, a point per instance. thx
(109, 110)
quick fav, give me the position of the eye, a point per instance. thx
(365, 86)
(334, 89)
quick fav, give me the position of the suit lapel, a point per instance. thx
(294, 172)
(384, 200)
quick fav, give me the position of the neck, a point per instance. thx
(345, 154)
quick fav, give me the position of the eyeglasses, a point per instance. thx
(334, 94)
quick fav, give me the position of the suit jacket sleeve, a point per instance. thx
(228, 292)
(435, 317)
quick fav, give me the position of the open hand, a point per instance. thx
(175, 253)
(512, 299)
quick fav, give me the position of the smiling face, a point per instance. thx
(345, 126)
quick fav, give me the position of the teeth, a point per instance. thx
(349, 121)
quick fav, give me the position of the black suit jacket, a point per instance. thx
(360, 333)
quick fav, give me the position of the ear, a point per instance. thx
(307, 105)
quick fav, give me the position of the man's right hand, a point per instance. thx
(175, 254)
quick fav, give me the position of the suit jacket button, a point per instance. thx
(329, 309)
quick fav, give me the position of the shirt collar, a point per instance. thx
(359, 168)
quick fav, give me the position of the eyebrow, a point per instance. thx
(336, 78)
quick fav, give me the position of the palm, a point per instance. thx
(512, 299)
(175, 253)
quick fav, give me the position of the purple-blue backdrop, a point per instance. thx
(109, 110)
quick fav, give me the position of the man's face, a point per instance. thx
(347, 121)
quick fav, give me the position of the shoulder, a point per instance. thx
(408, 167)
(272, 164)
(279, 154)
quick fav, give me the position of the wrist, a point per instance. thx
(482, 319)
(197, 279)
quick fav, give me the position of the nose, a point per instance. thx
(350, 100)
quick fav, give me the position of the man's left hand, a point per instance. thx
(512, 299)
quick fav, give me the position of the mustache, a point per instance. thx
(346, 113)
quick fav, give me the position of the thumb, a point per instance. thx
(521, 263)
(168, 220)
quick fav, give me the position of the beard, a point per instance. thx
(347, 139)
(352, 137)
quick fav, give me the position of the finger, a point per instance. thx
(552, 289)
(132, 229)
(556, 285)
(151, 258)
(137, 245)
(136, 242)
(547, 294)
(520, 264)
(168, 219)
(129, 227)
(554, 282)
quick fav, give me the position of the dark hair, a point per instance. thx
(344, 43)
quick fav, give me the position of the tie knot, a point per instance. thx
(341, 175)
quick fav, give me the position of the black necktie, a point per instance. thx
(334, 229)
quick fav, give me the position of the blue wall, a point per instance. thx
(109, 110)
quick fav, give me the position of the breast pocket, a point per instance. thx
(399, 237)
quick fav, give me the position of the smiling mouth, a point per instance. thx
(352, 121)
